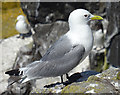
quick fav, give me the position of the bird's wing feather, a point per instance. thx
(58, 49)
(55, 67)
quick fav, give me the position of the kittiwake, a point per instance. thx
(66, 53)
(98, 37)
(22, 27)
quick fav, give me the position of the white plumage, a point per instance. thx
(21, 25)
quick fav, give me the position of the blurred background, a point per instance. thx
(48, 21)
(10, 11)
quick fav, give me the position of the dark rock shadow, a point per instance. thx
(79, 77)
(52, 85)
(25, 35)
(76, 77)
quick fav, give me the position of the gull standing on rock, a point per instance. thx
(22, 27)
(66, 53)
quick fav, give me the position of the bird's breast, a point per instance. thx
(82, 36)
(21, 27)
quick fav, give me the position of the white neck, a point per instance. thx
(81, 34)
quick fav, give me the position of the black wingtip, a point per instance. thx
(13, 72)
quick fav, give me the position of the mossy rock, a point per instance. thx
(84, 87)
(118, 75)
(106, 82)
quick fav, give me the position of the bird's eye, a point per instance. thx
(85, 15)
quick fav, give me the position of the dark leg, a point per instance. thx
(67, 76)
(61, 79)
(19, 36)
(23, 37)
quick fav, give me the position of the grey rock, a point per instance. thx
(9, 48)
(26, 55)
(47, 34)
(105, 82)
(97, 60)
(40, 12)
(115, 52)
(113, 33)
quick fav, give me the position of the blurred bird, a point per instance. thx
(22, 27)
(66, 53)
(98, 37)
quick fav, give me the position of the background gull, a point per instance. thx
(64, 54)
(98, 34)
(22, 27)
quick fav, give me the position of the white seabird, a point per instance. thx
(98, 37)
(21, 26)
(64, 54)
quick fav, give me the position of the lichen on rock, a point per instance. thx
(101, 83)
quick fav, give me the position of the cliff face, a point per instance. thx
(113, 33)
(49, 22)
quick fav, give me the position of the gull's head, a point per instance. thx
(81, 16)
(20, 17)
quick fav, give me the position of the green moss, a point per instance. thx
(118, 75)
(71, 89)
(93, 78)
(106, 65)
(36, 91)
(100, 62)
(99, 67)
(83, 87)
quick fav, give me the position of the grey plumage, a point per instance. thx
(59, 59)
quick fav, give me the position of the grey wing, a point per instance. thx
(58, 49)
(59, 66)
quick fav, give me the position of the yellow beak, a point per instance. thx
(95, 17)
(16, 21)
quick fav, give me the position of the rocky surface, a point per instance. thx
(46, 34)
(47, 12)
(113, 34)
(88, 82)
(106, 82)
(9, 49)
